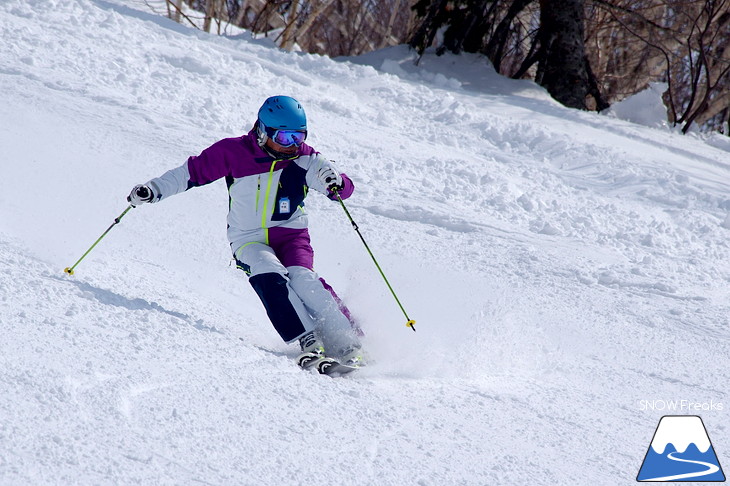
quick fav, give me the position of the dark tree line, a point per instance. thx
(555, 44)
(590, 53)
(329, 27)
(586, 53)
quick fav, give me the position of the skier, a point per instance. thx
(268, 173)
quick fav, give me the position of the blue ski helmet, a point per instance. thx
(282, 113)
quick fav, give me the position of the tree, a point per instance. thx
(494, 28)
(701, 66)
(331, 27)
(561, 56)
(683, 43)
(626, 44)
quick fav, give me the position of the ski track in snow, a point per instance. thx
(561, 266)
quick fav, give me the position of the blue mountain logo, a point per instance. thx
(681, 451)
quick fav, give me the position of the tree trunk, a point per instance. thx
(495, 47)
(177, 6)
(311, 18)
(287, 36)
(391, 21)
(209, 14)
(561, 67)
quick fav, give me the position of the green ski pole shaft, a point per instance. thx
(411, 323)
(70, 270)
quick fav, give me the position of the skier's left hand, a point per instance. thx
(330, 179)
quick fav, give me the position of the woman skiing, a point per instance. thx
(269, 172)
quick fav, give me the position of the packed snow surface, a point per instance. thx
(568, 271)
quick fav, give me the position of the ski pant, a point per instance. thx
(296, 299)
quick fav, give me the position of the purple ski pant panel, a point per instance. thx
(292, 247)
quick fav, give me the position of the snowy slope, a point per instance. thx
(561, 266)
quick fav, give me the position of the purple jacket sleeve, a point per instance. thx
(212, 164)
(209, 166)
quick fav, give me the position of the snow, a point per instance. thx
(561, 266)
(645, 108)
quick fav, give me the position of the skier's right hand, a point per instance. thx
(140, 194)
(330, 179)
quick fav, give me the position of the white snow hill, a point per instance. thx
(563, 267)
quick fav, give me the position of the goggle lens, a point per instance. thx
(287, 138)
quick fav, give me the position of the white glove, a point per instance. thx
(330, 179)
(140, 194)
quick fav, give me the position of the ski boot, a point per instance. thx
(350, 360)
(312, 350)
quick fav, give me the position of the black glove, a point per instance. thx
(140, 194)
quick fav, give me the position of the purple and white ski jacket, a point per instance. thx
(263, 192)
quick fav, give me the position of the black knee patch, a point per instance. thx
(273, 291)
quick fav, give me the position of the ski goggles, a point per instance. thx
(287, 138)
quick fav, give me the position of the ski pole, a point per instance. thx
(70, 270)
(411, 323)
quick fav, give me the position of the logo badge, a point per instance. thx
(284, 206)
(681, 451)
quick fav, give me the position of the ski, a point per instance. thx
(332, 367)
(316, 361)
(309, 360)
